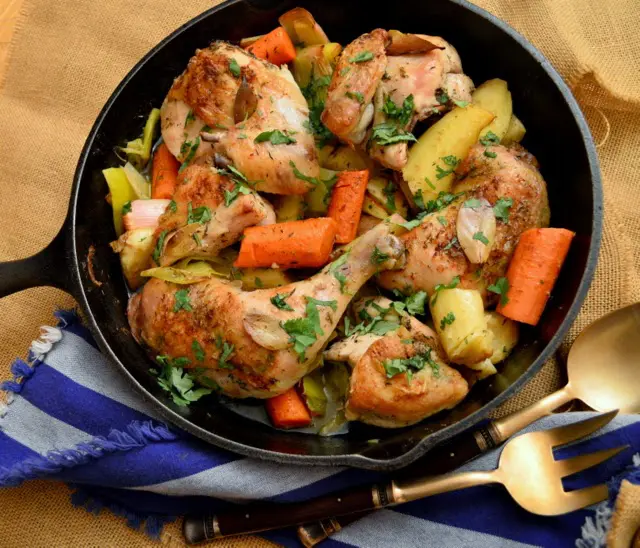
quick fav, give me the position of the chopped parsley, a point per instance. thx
(377, 326)
(461, 104)
(197, 239)
(419, 200)
(411, 365)
(378, 257)
(192, 148)
(481, 237)
(413, 304)
(452, 163)
(234, 67)
(176, 382)
(198, 351)
(345, 71)
(315, 181)
(502, 208)
(335, 267)
(389, 133)
(472, 203)
(225, 354)
(361, 57)
(173, 207)
(442, 97)
(442, 220)
(242, 185)
(275, 137)
(355, 95)
(401, 114)
(490, 154)
(452, 242)
(439, 287)
(315, 95)
(447, 320)
(258, 282)
(190, 118)
(182, 301)
(126, 208)
(489, 138)
(200, 214)
(432, 206)
(159, 247)
(431, 185)
(279, 301)
(501, 287)
(303, 332)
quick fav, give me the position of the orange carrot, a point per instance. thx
(533, 271)
(294, 244)
(165, 173)
(346, 203)
(288, 410)
(275, 47)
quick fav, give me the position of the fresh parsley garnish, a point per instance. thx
(377, 326)
(242, 185)
(361, 57)
(334, 268)
(345, 71)
(275, 137)
(432, 206)
(411, 365)
(389, 133)
(502, 209)
(258, 282)
(431, 185)
(390, 193)
(159, 247)
(481, 237)
(303, 332)
(413, 304)
(356, 95)
(234, 67)
(182, 301)
(315, 93)
(378, 257)
(179, 384)
(442, 220)
(442, 97)
(450, 161)
(489, 138)
(439, 287)
(173, 207)
(190, 117)
(279, 301)
(447, 320)
(472, 203)
(198, 351)
(401, 114)
(490, 154)
(333, 305)
(197, 239)
(192, 148)
(200, 214)
(501, 287)
(126, 208)
(460, 104)
(225, 354)
(452, 242)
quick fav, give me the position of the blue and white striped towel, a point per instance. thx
(73, 417)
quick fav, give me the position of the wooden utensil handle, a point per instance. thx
(253, 518)
(440, 460)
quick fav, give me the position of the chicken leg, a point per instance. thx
(258, 343)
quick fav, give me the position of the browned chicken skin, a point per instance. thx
(260, 359)
(433, 253)
(401, 400)
(226, 98)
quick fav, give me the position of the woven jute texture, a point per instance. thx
(66, 58)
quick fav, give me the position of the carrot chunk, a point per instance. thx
(346, 203)
(533, 271)
(165, 174)
(275, 47)
(288, 410)
(294, 244)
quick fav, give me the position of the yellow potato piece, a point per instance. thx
(319, 197)
(343, 158)
(450, 138)
(372, 207)
(262, 278)
(378, 188)
(459, 320)
(289, 208)
(494, 96)
(505, 335)
(515, 131)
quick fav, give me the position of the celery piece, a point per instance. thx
(141, 187)
(313, 392)
(139, 150)
(121, 193)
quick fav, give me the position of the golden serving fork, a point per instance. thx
(527, 469)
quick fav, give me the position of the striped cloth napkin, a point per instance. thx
(72, 416)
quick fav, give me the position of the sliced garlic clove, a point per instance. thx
(476, 229)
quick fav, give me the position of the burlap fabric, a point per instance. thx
(66, 58)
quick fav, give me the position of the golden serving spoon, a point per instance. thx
(603, 367)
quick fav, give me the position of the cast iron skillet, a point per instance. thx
(557, 135)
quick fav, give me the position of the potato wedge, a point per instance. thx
(458, 316)
(483, 369)
(372, 207)
(515, 131)
(342, 158)
(331, 52)
(259, 278)
(310, 61)
(505, 335)
(289, 208)
(318, 198)
(387, 194)
(432, 159)
(494, 96)
(135, 248)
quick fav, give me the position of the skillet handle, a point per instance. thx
(47, 267)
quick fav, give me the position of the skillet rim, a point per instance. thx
(348, 459)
